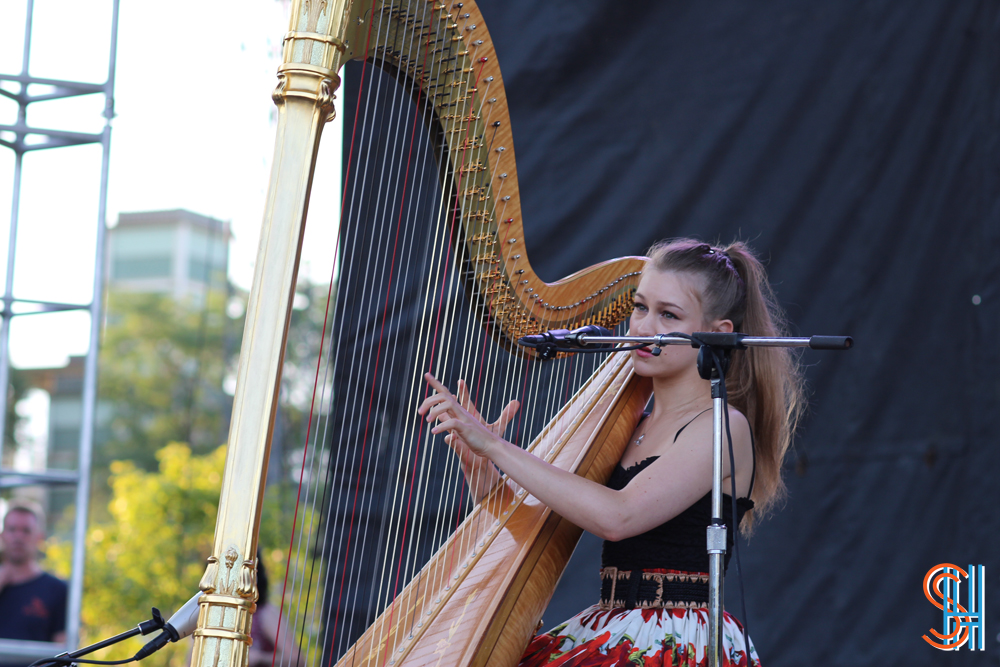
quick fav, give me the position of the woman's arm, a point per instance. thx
(679, 477)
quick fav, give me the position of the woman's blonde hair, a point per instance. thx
(764, 383)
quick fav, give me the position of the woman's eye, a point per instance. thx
(669, 315)
(638, 307)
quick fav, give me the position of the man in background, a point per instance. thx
(32, 602)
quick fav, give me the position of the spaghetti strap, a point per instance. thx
(676, 435)
(753, 449)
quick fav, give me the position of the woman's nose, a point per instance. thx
(639, 327)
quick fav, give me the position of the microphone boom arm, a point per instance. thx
(549, 344)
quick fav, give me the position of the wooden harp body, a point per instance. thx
(479, 598)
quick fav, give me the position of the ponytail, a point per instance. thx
(764, 383)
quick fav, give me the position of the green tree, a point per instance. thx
(17, 388)
(163, 366)
(151, 549)
(163, 369)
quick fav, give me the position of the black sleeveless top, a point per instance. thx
(678, 544)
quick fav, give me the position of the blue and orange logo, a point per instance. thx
(961, 626)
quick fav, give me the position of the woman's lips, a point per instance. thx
(642, 352)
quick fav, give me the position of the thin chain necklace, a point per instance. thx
(638, 441)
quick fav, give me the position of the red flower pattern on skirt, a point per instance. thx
(637, 638)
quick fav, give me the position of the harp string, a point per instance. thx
(302, 620)
(396, 495)
(409, 478)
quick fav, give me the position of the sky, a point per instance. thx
(194, 128)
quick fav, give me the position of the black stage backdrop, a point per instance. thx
(855, 145)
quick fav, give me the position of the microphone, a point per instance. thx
(180, 625)
(563, 336)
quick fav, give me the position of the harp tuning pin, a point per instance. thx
(496, 123)
(520, 271)
(492, 100)
(489, 79)
(511, 240)
(458, 5)
(524, 282)
(471, 27)
(478, 42)
(503, 175)
(501, 149)
(507, 198)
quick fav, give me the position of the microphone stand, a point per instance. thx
(713, 345)
(144, 628)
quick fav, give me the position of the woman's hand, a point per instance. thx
(469, 435)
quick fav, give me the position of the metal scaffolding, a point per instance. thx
(22, 138)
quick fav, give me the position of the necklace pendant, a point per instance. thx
(638, 440)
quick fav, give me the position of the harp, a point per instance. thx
(478, 598)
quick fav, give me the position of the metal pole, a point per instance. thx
(8, 296)
(15, 207)
(716, 532)
(89, 399)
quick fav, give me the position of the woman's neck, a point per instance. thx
(680, 395)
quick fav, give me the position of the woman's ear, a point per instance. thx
(724, 326)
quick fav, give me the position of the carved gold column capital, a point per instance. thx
(226, 608)
(305, 82)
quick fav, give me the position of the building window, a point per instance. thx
(140, 267)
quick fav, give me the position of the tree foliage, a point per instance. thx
(158, 464)
(163, 367)
(152, 548)
(17, 388)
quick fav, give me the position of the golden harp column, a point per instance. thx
(307, 80)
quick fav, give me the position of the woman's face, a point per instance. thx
(667, 302)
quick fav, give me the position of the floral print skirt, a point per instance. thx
(628, 637)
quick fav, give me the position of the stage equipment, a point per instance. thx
(714, 350)
(390, 565)
(144, 628)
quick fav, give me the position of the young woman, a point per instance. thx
(653, 512)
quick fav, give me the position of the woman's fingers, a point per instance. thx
(465, 400)
(435, 410)
(451, 424)
(458, 415)
(441, 397)
(505, 416)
